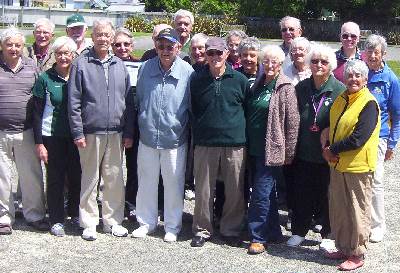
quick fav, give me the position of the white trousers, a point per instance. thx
(172, 163)
(102, 156)
(378, 224)
(20, 149)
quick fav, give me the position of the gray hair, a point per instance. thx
(323, 51)
(351, 24)
(356, 66)
(373, 41)
(199, 38)
(64, 41)
(46, 23)
(237, 33)
(289, 18)
(103, 22)
(300, 41)
(184, 13)
(10, 33)
(250, 43)
(124, 31)
(273, 50)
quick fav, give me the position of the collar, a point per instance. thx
(228, 71)
(328, 86)
(157, 69)
(340, 55)
(92, 57)
(40, 55)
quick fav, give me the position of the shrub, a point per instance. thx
(138, 24)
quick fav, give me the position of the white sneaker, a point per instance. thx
(376, 236)
(295, 240)
(116, 230)
(141, 232)
(189, 195)
(89, 234)
(328, 245)
(170, 237)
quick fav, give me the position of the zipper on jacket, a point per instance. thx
(159, 109)
(337, 123)
(218, 86)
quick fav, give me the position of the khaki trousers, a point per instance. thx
(207, 161)
(350, 210)
(20, 149)
(102, 156)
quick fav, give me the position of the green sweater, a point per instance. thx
(308, 144)
(218, 108)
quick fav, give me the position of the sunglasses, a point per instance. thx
(167, 47)
(291, 29)
(346, 36)
(316, 61)
(212, 53)
(126, 44)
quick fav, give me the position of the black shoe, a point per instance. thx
(232, 241)
(198, 241)
(40, 225)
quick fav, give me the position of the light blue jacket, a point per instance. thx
(163, 103)
(385, 87)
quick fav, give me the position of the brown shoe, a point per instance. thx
(353, 262)
(336, 255)
(5, 229)
(256, 248)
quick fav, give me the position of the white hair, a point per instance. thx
(352, 25)
(103, 22)
(251, 43)
(199, 38)
(184, 13)
(373, 41)
(356, 66)
(10, 33)
(300, 41)
(296, 21)
(64, 41)
(237, 33)
(124, 31)
(322, 51)
(46, 23)
(273, 51)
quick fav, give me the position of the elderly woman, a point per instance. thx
(198, 50)
(310, 186)
(298, 69)
(233, 39)
(384, 85)
(248, 50)
(349, 37)
(54, 144)
(352, 155)
(272, 128)
(123, 48)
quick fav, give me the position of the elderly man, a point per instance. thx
(233, 39)
(290, 29)
(151, 53)
(198, 51)
(17, 76)
(349, 37)
(218, 95)
(40, 50)
(76, 30)
(101, 120)
(183, 24)
(163, 103)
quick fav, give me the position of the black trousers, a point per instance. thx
(63, 164)
(310, 197)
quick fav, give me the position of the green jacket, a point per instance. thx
(308, 145)
(218, 108)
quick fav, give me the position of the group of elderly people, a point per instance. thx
(225, 113)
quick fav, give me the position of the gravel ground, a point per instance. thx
(29, 251)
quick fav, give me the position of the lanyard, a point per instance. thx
(316, 109)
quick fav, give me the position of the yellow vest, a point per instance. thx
(343, 118)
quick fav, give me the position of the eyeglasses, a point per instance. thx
(44, 33)
(346, 36)
(272, 62)
(126, 44)
(167, 47)
(291, 29)
(317, 61)
(213, 53)
(297, 50)
(105, 34)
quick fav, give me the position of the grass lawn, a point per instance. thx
(395, 66)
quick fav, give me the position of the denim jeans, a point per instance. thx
(263, 217)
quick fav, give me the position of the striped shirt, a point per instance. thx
(16, 95)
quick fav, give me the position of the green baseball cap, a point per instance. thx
(75, 20)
